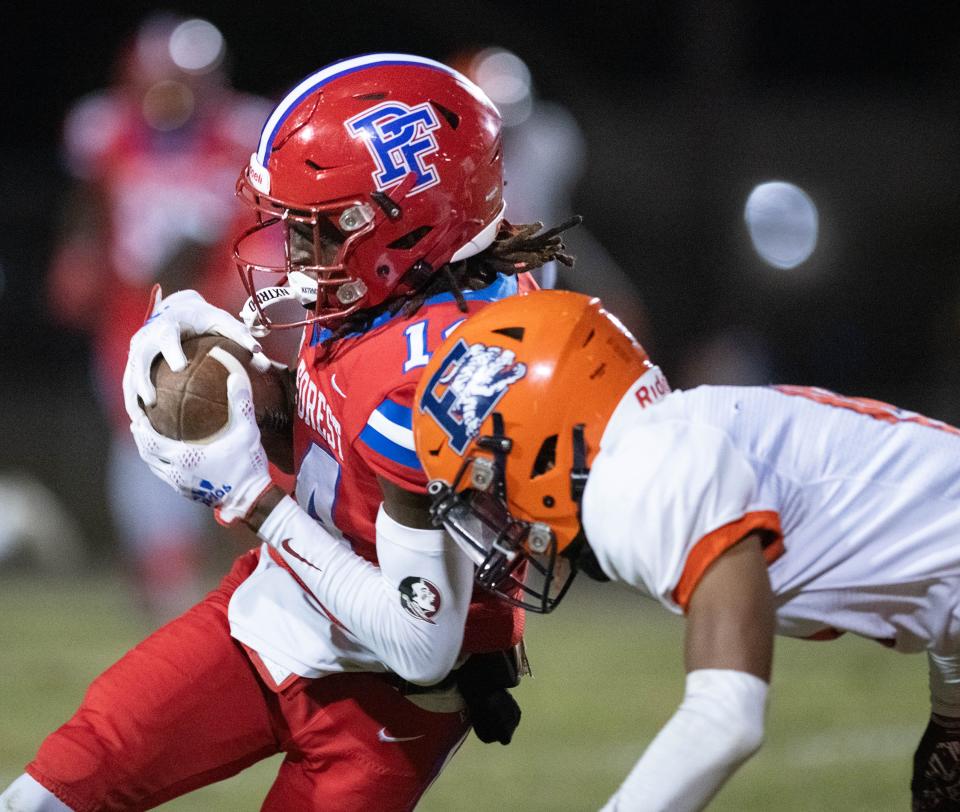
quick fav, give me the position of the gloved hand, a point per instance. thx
(228, 473)
(483, 681)
(935, 786)
(181, 315)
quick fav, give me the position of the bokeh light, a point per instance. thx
(196, 46)
(783, 223)
(505, 78)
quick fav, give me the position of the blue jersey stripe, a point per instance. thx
(385, 447)
(396, 413)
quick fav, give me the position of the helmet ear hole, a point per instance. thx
(546, 457)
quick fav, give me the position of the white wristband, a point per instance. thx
(944, 684)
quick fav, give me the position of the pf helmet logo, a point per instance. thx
(420, 598)
(398, 138)
(476, 377)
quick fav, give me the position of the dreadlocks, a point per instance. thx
(516, 249)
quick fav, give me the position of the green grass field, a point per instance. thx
(844, 718)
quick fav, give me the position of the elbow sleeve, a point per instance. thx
(410, 611)
(733, 705)
(431, 582)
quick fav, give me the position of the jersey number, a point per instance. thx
(416, 333)
(317, 484)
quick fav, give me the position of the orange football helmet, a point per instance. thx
(508, 417)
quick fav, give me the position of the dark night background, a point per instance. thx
(685, 108)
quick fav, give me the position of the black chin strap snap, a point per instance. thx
(580, 553)
(580, 471)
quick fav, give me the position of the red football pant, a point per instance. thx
(186, 708)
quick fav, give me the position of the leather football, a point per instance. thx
(192, 404)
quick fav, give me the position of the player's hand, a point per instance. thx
(182, 314)
(936, 767)
(228, 473)
(483, 681)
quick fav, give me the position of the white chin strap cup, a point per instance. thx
(299, 287)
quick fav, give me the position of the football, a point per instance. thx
(192, 404)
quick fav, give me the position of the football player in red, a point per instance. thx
(752, 511)
(352, 639)
(153, 157)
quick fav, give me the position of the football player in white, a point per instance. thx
(752, 511)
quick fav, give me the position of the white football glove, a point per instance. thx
(181, 315)
(227, 472)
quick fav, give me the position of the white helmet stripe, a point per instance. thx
(334, 71)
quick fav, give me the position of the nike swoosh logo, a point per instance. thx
(285, 544)
(333, 383)
(386, 737)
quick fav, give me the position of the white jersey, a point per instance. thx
(858, 503)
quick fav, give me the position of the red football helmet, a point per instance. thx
(378, 170)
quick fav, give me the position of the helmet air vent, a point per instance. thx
(451, 118)
(370, 96)
(516, 333)
(411, 238)
(588, 339)
(546, 457)
(316, 167)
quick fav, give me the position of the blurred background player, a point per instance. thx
(545, 158)
(154, 160)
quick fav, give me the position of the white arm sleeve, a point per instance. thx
(718, 726)
(420, 647)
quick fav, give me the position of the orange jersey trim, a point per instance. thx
(718, 541)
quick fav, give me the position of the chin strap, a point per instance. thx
(299, 288)
(500, 445)
(580, 471)
(581, 554)
(585, 560)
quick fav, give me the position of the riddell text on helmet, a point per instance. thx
(656, 388)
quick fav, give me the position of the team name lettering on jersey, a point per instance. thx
(314, 410)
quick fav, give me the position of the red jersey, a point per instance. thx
(353, 424)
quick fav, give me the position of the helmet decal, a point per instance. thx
(398, 138)
(475, 377)
(419, 597)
